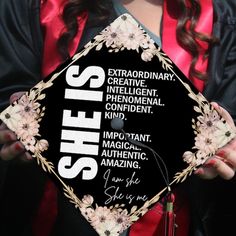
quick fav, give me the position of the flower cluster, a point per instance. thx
(126, 34)
(23, 118)
(211, 133)
(107, 221)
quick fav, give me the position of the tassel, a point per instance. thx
(170, 225)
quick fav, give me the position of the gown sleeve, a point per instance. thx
(20, 65)
(20, 47)
(221, 86)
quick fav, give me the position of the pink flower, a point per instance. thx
(42, 145)
(209, 120)
(108, 228)
(87, 200)
(147, 55)
(100, 215)
(111, 35)
(122, 218)
(27, 127)
(188, 157)
(132, 38)
(28, 107)
(29, 144)
(206, 142)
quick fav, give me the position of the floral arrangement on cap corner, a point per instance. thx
(23, 117)
(210, 129)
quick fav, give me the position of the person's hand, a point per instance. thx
(224, 162)
(11, 148)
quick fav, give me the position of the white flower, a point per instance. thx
(41, 145)
(111, 36)
(100, 215)
(108, 228)
(122, 219)
(27, 127)
(29, 144)
(87, 200)
(11, 116)
(28, 107)
(195, 159)
(147, 55)
(189, 157)
(209, 120)
(206, 142)
(132, 38)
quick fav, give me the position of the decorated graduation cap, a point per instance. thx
(117, 126)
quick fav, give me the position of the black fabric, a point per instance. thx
(222, 83)
(20, 47)
(70, 221)
(213, 206)
(21, 185)
(213, 202)
(21, 195)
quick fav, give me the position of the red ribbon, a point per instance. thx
(153, 223)
(45, 217)
(170, 45)
(53, 26)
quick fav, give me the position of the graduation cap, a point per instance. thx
(117, 126)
